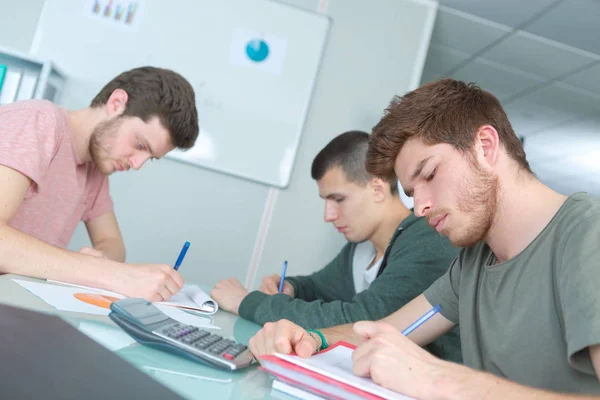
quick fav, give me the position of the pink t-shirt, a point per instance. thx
(36, 139)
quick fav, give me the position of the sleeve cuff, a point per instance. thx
(292, 281)
(99, 211)
(434, 297)
(250, 303)
(579, 355)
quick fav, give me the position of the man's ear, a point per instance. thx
(380, 189)
(487, 144)
(117, 102)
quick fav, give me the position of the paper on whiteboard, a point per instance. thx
(121, 14)
(258, 50)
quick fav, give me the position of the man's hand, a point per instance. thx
(92, 252)
(270, 285)
(153, 282)
(229, 294)
(394, 361)
(284, 337)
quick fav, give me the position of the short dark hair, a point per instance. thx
(157, 92)
(349, 152)
(445, 111)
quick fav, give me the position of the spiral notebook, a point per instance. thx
(190, 297)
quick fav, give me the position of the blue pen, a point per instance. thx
(181, 255)
(422, 320)
(282, 276)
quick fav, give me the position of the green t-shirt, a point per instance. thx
(531, 319)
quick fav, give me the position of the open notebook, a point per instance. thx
(327, 374)
(190, 297)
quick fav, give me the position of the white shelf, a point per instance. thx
(28, 77)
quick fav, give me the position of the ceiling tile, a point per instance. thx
(539, 56)
(530, 118)
(573, 22)
(464, 32)
(503, 12)
(588, 79)
(441, 59)
(567, 98)
(500, 81)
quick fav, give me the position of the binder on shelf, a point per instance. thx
(24, 77)
(10, 86)
(2, 74)
(27, 87)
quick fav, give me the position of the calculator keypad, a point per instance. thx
(204, 341)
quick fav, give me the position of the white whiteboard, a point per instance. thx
(251, 112)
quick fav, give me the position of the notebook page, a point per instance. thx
(336, 363)
(191, 296)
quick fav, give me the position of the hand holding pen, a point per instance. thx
(275, 284)
(394, 361)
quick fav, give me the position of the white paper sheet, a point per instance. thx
(190, 296)
(258, 50)
(337, 364)
(294, 392)
(61, 298)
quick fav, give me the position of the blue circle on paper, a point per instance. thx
(257, 50)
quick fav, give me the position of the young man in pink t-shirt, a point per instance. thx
(54, 167)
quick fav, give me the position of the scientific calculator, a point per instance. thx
(151, 327)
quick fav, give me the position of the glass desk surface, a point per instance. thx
(189, 379)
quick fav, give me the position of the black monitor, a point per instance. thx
(42, 356)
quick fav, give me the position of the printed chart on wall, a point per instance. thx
(115, 14)
(253, 65)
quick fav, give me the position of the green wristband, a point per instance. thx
(323, 341)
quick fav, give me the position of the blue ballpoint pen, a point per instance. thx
(282, 276)
(181, 255)
(422, 320)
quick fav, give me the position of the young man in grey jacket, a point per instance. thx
(391, 255)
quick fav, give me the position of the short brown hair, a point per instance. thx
(158, 92)
(445, 111)
(349, 152)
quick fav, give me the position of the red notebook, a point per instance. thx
(328, 373)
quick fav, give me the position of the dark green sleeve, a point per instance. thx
(419, 257)
(413, 265)
(328, 283)
(333, 282)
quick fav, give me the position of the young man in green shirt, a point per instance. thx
(524, 288)
(364, 281)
